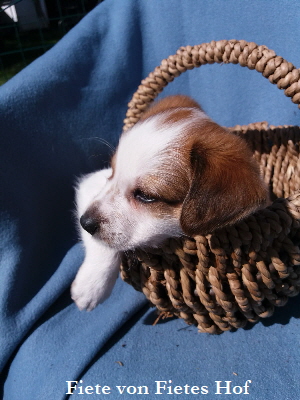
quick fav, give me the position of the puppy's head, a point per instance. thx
(175, 172)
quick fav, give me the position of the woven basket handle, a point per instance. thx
(247, 54)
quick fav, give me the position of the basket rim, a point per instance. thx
(247, 54)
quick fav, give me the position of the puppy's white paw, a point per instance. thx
(87, 295)
(88, 289)
(95, 279)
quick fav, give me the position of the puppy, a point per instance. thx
(175, 173)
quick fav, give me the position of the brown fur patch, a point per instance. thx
(177, 115)
(169, 185)
(226, 185)
(113, 165)
(168, 103)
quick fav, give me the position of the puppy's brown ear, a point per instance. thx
(226, 185)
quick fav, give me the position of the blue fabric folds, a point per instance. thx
(56, 118)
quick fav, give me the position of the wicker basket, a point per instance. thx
(240, 273)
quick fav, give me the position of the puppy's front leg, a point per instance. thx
(96, 276)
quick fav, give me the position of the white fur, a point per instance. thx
(88, 188)
(128, 226)
(97, 275)
(141, 148)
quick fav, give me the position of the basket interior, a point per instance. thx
(276, 149)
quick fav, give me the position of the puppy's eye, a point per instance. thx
(143, 197)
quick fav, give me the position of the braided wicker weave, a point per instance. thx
(237, 274)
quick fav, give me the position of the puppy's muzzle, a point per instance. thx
(89, 224)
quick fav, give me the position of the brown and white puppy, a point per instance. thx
(175, 173)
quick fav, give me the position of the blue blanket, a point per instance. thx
(58, 119)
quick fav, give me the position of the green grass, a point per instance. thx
(17, 65)
(9, 72)
(19, 49)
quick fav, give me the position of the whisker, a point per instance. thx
(104, 141)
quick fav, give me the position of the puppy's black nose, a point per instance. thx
(89, 224)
